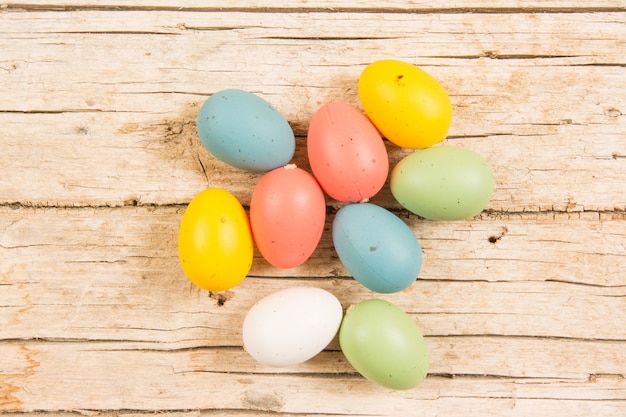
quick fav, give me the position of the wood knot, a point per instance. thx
(495, 238)
(612, 112)
(262, 400)
(221, 297)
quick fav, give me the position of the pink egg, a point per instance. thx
(346, 153)
(287, 216)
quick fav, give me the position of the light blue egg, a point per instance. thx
(245, 131)
(376, 247)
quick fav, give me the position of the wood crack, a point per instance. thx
(331, 38)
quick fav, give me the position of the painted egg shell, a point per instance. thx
(287, 215)
(347, 154)
(384, 344)
(407, 105)
(215, 241)
(377, 248)
(443, 183)
(291, 326)
(245, 131)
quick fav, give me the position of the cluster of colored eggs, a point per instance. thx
(349, 163)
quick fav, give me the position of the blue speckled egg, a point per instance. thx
(376, 247)
(245, 131)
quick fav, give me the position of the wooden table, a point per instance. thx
(523, 307)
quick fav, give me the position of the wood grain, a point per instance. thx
(333, 5)
(190, 379)
(523, 307)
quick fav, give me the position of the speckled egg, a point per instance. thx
(245, 131)
(376, 247)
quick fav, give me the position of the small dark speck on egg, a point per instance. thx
(373, 248)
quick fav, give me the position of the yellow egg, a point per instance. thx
(215, 240)
(407, 105)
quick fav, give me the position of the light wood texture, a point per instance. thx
(332, 5)
(523, 307)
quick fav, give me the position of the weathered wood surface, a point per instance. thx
(523, 307)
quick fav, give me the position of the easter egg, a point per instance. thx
(384, 344)
(376, 247)
(407, 105)
(292, 325)
(443, 183)
(287, 215)
(347, 154)
(245, 131)
(215, 241)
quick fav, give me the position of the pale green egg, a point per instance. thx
(443, 183)
(384, 344)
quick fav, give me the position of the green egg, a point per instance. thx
(384, 344)
(443, 183)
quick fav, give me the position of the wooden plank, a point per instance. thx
(471, 356)
(113, 159)
(102, 312)
(334, 5)
(458, 50)
(159, 44)
(99, 377)
(109, 274)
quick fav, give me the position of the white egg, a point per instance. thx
(291, 326)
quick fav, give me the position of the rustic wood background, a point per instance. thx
(523, 307)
